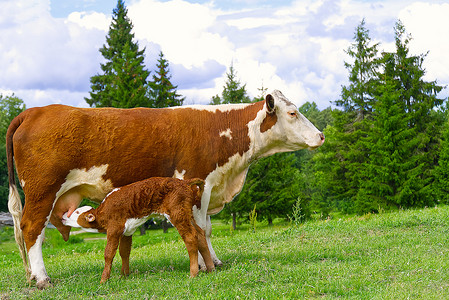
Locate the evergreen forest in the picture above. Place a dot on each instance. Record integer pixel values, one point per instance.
(387, 136)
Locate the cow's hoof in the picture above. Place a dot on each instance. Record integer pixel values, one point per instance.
(202, 267)
(43, 284)
(218, 263)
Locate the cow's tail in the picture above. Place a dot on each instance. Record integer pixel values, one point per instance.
(14, 202)
(197, 186)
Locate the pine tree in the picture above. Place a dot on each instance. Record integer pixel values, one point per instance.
(162, 93)
(263, 93)
(358, 95)
(352, 124)
(233, 91)
(404, 136)
(389, 140)
(420, 100)
(124, 77)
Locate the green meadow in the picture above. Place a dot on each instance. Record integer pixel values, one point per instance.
(396, 255)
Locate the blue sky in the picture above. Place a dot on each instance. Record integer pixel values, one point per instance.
(49, 48)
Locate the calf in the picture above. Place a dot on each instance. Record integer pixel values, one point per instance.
(128, 207)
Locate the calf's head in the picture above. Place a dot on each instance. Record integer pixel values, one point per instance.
(83, 217)
(285, 128)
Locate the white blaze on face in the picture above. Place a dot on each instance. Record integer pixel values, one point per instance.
(73, 220)
(292, 130)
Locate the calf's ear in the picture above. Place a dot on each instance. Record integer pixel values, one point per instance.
(269, 100)
(90, 218)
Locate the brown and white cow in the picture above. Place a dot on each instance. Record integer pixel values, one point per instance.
(63, 154)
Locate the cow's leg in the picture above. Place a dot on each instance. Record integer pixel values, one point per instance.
(37, 266)
(34, 221)
(109, 252)
(203, 220)
(208, 232)
(125, 250)
(203, 248)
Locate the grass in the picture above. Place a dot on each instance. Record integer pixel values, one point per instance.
(398, 255)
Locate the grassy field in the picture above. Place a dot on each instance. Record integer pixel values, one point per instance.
(399, 255)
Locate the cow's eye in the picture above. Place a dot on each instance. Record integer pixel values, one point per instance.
(292, 114)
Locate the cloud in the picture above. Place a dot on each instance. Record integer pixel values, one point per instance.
(198, 77)
(91, 20)
(429, 34)
(181, 29)
(39, 52)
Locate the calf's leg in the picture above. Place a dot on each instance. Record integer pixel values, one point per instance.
(189, 236)
(109, 253)
(125, 250)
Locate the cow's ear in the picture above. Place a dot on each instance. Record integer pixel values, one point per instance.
(90, 218)
(269, 100)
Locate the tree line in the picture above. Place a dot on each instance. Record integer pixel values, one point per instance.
(386, 137)
(387, 144)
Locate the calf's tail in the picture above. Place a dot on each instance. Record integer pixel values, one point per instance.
(14, 202)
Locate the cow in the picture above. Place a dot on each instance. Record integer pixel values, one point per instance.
(126, 208)
(63, 154)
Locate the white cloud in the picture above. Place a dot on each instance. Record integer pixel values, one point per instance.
(429, 26)
(90, 20)
(181, 29)
(39, 53)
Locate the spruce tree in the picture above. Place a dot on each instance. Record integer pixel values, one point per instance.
(389, 141)
(358, 95)
(352, 124)
(404, 137)
(263, 92)
(420, 100)
(162, 93)
(233, 91)
(124, 79)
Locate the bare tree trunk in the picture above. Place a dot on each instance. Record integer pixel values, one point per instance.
(165, 226)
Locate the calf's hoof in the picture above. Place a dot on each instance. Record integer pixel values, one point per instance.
(103, 280)
(210, 269)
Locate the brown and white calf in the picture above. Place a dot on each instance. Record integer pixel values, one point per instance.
(126, 208)
(63, 154)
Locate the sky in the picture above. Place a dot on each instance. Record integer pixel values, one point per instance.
(49, 49)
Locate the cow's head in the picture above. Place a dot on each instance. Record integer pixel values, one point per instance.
(83, 217)
(284, 128)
